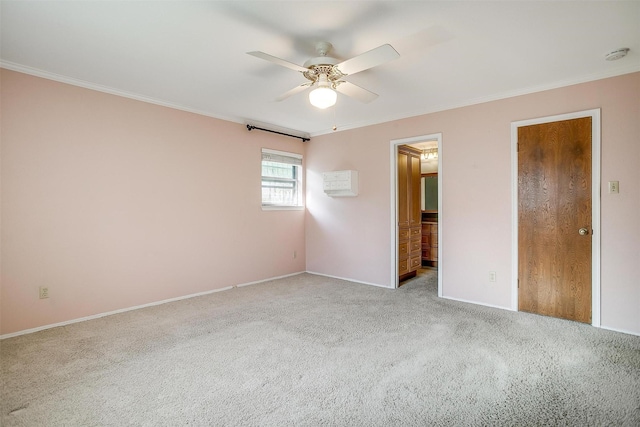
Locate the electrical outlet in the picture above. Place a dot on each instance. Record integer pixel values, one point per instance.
(492, 276)
(44, 292)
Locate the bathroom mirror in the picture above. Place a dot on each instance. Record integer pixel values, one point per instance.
(429, 192)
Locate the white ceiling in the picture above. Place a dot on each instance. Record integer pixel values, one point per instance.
(192, 55)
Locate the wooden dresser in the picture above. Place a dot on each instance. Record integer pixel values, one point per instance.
(409, 212)
(430, 243)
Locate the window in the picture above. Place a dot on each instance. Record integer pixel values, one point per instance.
(281, 180)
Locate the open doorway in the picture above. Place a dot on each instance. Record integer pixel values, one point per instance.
(428, 148)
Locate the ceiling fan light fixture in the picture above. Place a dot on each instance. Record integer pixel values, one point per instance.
(429, 154)
(323, 96)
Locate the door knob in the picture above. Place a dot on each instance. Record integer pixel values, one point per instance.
(583, 231)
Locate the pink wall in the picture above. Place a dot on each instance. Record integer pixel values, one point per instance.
(350, 237)
(114, 203)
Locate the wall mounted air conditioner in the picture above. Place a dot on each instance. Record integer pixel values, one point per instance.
(340, 183)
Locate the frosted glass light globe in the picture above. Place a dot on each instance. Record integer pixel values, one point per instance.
(323, 97)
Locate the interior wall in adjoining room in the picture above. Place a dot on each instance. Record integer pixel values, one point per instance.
(113, 203)
(350, 237)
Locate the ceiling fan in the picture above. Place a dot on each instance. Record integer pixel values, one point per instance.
(327, 74)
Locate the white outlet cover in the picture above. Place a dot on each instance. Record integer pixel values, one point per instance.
(44, 292)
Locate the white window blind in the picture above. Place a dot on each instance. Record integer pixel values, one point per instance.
(281, 180)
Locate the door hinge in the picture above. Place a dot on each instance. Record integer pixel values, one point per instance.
(518, 283)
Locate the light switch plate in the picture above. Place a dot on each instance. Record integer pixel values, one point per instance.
(614, 187)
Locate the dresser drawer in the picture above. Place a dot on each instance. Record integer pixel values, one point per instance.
(403, 249)
(416, 232)
(404, 233)
(415, 262)
(416, 245)
(403, 266)
(426, 239)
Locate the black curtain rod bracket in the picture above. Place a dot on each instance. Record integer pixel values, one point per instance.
(251, 127)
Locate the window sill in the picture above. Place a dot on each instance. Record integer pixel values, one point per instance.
(282, 208)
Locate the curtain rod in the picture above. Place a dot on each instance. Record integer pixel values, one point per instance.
(251, 127)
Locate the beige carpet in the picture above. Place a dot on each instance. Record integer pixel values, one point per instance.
(309, 350)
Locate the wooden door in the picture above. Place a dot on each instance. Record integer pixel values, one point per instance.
(554, 219)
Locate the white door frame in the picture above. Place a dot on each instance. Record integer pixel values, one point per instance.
(595, 204)
(393, 158)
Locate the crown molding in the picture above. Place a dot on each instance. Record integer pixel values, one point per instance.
(481, 100)
(106, 89)
(355, 125)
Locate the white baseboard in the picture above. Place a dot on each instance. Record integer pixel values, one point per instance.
(137, 307)
(624, 331)
(350, 280)
(151, 304)
(267, 280)
(478, 303)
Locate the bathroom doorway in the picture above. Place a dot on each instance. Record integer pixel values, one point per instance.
(429, 149)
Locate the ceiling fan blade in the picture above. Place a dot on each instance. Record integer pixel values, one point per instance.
(370, 59)
(293, 91)
(355, 91)
(278, 61)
